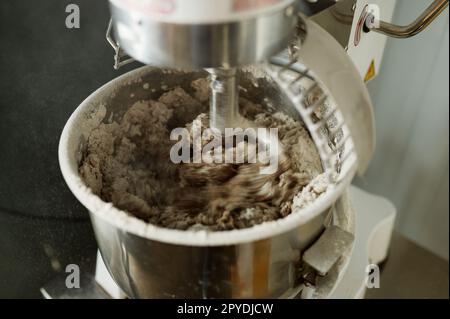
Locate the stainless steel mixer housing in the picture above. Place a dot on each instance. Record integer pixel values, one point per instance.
(203, 33)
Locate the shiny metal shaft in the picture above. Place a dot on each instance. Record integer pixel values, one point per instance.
(224, 107)
(407, 31)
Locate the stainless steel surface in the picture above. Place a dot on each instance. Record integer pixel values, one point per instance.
(432, 12)
(343, 217)
(337, 20)
(312, 7)
(146, 268)
(327, 250)
(262, 269)
(224, 98)
(396, 280)
(203, 45)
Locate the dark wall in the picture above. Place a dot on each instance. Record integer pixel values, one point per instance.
(46, 71)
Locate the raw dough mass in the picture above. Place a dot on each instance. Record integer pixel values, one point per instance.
(127, 163)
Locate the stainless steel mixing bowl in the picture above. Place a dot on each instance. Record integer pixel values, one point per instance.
(150, 262)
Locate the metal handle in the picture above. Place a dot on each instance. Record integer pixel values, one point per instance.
(396, 31)
(119, 54)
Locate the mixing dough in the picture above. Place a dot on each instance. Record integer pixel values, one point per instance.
(128, 163)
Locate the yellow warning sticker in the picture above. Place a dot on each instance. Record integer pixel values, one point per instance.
(370, 72)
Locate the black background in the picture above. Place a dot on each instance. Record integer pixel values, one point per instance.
(46, 71)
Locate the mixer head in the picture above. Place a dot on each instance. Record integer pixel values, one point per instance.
(202, 33)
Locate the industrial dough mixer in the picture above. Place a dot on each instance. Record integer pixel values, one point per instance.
(297, 66)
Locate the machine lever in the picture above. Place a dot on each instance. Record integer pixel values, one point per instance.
(373, 23)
